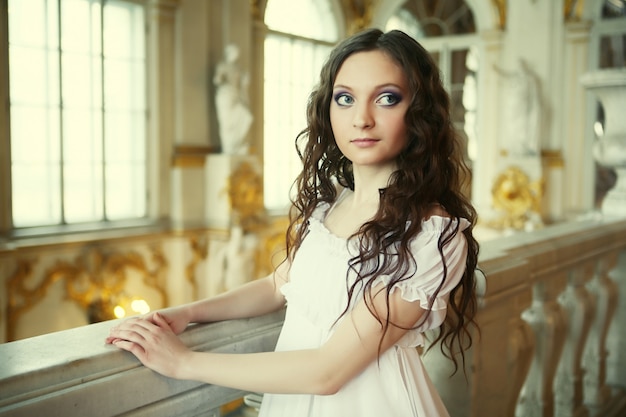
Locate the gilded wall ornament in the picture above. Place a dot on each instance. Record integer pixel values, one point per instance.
(272, 248)
(361, 13)
(500, 7)
(518, 199)
(199, 250)
(95, 280)
(245, 194)
(573, 9)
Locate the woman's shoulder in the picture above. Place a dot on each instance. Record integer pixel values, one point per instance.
(438, 224)
(438, 219)
(438, 210)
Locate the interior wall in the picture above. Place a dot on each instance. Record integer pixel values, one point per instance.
(556, 50)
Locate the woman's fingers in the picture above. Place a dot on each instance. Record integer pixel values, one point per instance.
(154, 344)
(135, 330)
(110, 340)
(152, 341)
(131, 347)
(162, 322)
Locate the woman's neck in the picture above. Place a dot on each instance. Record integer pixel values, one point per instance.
(368, 181)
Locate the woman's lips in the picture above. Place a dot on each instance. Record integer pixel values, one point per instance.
(364, 142)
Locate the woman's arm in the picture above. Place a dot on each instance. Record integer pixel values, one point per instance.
(352, 347)
(252, 299)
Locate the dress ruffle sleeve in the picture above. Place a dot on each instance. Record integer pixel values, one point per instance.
(428, 273)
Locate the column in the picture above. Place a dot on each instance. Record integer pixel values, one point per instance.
(578, 172)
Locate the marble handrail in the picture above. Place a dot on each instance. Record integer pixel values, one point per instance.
(73, 373)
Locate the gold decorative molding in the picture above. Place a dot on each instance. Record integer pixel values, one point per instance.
(360, 13)
(245, 194)
(573, 9)
(164, 11)
(256, 9)
(199, 250)
(552, 158)
(94, 280)
(500, 8)
(190, 156)
(271, 251)
(517, 198)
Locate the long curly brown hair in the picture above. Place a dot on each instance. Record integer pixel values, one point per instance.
(429, 171)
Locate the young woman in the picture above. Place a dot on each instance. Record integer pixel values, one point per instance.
(380, 245)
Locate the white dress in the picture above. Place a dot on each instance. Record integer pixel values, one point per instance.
(397, 386)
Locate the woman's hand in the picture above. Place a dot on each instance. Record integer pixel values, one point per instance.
(177, 318)
(152, 341)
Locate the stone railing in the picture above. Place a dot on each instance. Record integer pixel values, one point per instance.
(551, 343)
(551, 323)
(73, 373)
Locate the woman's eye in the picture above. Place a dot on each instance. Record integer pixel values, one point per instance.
(344, 99)
(388, 99)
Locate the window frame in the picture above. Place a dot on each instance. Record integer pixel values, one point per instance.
(338, 23)
(157, 150)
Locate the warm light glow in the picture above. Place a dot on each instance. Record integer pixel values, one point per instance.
(140, 306)
(119, 312)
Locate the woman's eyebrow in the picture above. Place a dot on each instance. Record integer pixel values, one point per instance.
(376, 87)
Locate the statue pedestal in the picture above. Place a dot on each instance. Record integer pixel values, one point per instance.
(234, 202)
(219, 170)
(610, 150)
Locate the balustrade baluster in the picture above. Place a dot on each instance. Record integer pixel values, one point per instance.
(521, 350)
(616, 338)
(604, 293)
(578, 305)
(545, 317)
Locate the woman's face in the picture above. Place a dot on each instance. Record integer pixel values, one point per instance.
(370, 100)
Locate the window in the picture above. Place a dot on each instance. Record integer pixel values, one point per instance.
(612, 34)
(608, 51)
(300, 37)
(446, 29)
(77, 111)
(608, 48)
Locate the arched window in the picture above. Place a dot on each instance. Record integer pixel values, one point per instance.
(447, 30)
(300, 35)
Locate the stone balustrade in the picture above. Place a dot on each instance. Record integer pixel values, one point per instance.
(551, 320)
(73, 373)
(551, 343)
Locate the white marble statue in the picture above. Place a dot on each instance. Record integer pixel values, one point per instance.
(233, 115)
(522, 111)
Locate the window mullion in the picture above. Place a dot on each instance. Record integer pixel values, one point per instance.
(103, 163)
(61, 112)
(445, 64)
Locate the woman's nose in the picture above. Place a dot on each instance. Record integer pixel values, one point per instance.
(363, 117)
